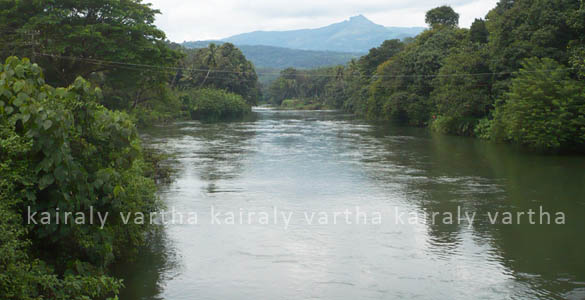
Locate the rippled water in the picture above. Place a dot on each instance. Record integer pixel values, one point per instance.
(301, 162)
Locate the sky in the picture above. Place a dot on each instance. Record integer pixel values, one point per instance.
(192, 20)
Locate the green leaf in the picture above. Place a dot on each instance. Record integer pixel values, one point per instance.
(47, 124)
(46, 181)
(19, 70)
(20, 99)
(60, 173)
(17, 87)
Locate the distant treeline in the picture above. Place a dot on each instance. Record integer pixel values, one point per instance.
(516, 76)
(281, 58)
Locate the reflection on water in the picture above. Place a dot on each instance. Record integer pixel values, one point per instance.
(326, 161)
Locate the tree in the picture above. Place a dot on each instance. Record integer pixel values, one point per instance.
(577, 46)
(523, 29)
(221, 67)
(544, 109)
(460, 100)
(62, 150)
(411, 72)
(478, 32)
(114, 44)
(377, 56)
(75, 36)
(442, 16)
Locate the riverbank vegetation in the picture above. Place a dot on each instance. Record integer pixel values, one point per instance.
(63, 151)
(76, 78)
(116, 46)
(516, 76)
(299, 104)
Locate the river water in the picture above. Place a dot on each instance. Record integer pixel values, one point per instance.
(329, 207)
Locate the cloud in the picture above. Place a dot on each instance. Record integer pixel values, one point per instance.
(214, 19)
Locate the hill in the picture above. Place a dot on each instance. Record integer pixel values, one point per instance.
(358, 34)
(282, 58)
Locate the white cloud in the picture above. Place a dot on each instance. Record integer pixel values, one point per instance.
(214, 19)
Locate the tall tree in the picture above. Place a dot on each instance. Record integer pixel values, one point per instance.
(222, 67)
(478, 32)
(442, 16)
(73, 38)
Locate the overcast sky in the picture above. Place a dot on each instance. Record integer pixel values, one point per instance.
(190, 20)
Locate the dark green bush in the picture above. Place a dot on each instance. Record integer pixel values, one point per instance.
(544, 109)
(214, 105)
(61, 150)
(464, 126)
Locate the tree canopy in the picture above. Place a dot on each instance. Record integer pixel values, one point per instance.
(221, 67)
(442, 16)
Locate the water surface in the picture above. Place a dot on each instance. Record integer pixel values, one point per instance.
(300, 161)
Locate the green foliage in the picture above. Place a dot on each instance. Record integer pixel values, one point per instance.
(544, 109)
(458, 94)
(213, 105)
(442, 16)
(269, 57)
(453, 125)
(525, 28)
(220, 67)
(370, 62)
(453, 79)
(297, 104)
(337, 87)
(403, 86)
(316, 85)
(110, 30)
(483, 129)
(22, 277)
(82, 38)
(478, 32)
(61, 150)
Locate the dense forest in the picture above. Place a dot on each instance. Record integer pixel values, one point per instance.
(76, 79)
(517, 76)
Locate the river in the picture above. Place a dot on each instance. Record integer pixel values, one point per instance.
(368, 210)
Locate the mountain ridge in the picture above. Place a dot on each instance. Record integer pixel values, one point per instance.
(358, 34)
(331, 45)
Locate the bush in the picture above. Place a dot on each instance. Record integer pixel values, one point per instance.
(214, 105)
(483, 129)
(545, 108)
(62, 150)
(454, 125)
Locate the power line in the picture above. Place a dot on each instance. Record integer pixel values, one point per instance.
(165, 68)
(117, 63)
(137, 66)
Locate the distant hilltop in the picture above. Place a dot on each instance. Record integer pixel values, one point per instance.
(357, 35)
(281, 58)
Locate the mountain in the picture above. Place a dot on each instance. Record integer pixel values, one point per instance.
(358, 34)
(282, 58)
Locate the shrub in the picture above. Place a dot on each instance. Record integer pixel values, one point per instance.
(62, 150)
(544, 109)
(454, 125)
(214, 105)
(483, 129)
